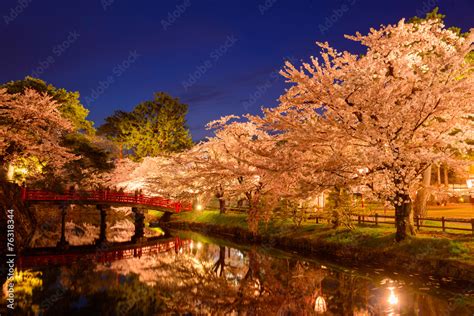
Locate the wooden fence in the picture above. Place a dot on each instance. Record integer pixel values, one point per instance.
(467, 224)
(464, 224)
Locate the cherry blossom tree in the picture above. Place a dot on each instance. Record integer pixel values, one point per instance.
(380, 119)
(262, 163)
(237, 161)
(32, 127)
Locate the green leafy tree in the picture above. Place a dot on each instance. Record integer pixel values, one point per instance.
(116, 128)
(94, 160)
(340, 207)
(70, 106)
(435, 15)
(92, 156)
(153, 127)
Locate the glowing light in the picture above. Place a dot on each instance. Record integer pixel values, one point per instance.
(199, 245)
(392, 298)
(23, 171)
(199, 207)
(320, 305)
(469, 183)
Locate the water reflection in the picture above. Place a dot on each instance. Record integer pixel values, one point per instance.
(205, 278)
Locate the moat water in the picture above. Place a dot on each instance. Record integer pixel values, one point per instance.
(203, 276)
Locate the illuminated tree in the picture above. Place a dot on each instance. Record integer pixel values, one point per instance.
(153, 128)
(32, 126)
(68, 102)
(93, 156)
(384, 117)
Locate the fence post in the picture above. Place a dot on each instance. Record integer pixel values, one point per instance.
(417, 222)
(442, 223)
(376, 219)
(472, 225)
(358, 219)
(317, 219)
(363, 219)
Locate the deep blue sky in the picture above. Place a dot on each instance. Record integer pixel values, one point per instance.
(255, 37)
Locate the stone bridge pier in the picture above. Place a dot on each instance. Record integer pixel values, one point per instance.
(102, 240)
(62, 243)
(139, 221)
(139, 235)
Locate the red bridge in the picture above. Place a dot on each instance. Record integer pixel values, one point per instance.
(106, 197)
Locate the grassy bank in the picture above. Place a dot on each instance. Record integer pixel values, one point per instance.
(364, 240)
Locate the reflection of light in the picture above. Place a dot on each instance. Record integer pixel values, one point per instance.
(320, 305)
(392, 298)
(256, 292)
(24, 283)
(199, 245)
(469, 183)
(199, 207)
(191, 245)
(21, 170)
(361, 312)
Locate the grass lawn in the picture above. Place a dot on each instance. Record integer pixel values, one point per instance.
(459, 210)
(427, 244)
(154, 213)
(462, 210)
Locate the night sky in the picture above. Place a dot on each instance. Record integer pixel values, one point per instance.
(220, 57)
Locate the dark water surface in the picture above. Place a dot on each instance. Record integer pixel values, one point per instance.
(202, 276)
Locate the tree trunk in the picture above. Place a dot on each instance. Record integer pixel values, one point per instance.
(252, 217)
(222, 206)
(219, 266)
(253, 220)
(6, 171)
(335, 212)
(403, 217)
(3, 173)
(445, 170)
(423, 194)
(438, 174)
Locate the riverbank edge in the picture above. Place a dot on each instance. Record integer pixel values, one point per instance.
(439, 267)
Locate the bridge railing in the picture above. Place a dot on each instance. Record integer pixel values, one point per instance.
(105, 196)
(115, 252)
